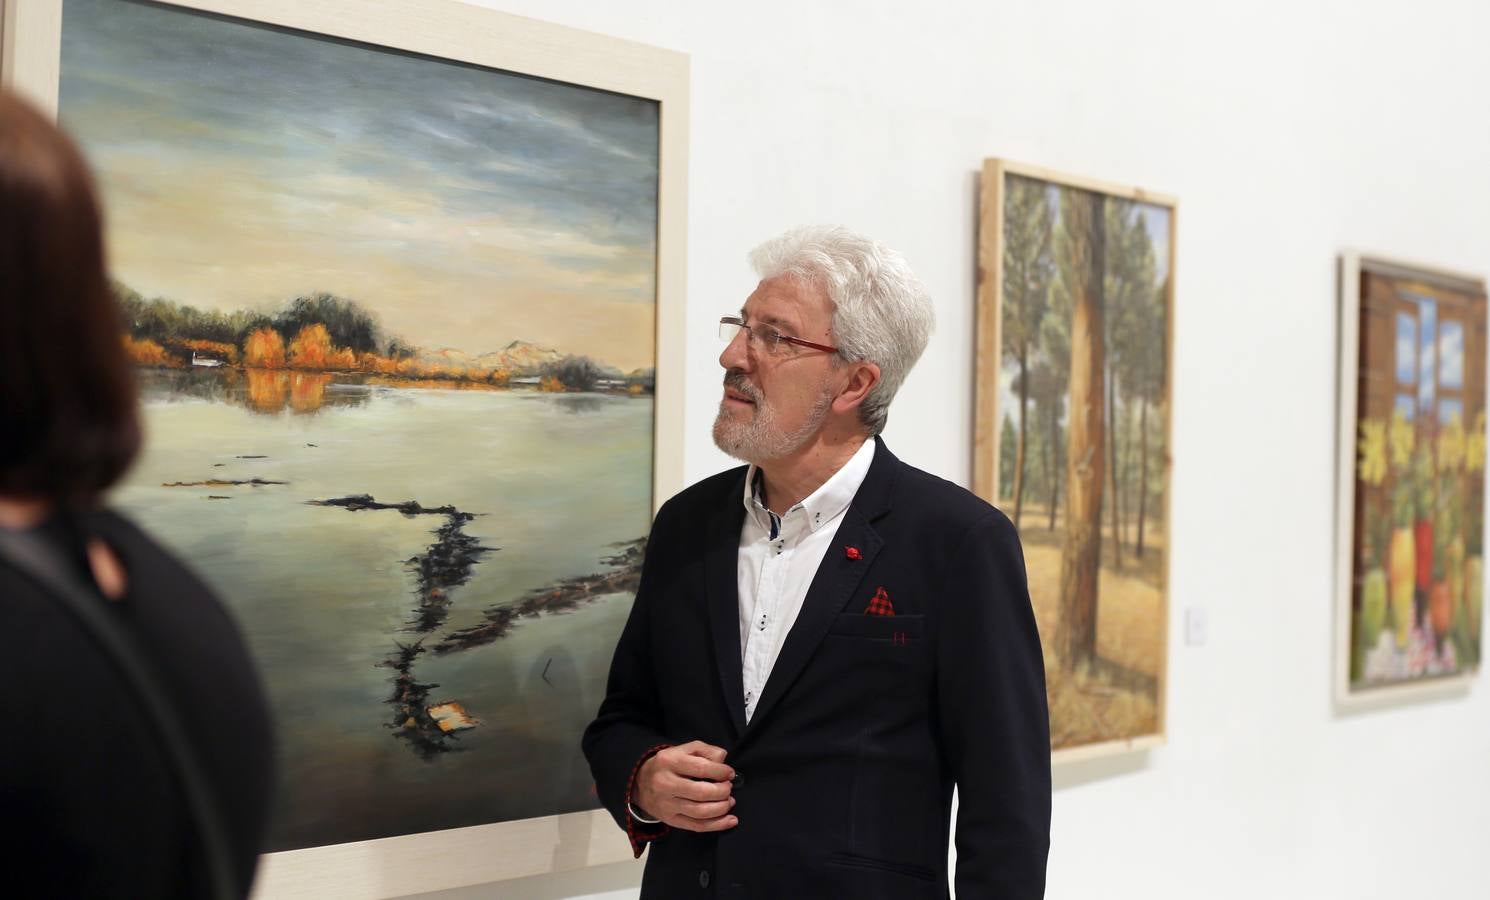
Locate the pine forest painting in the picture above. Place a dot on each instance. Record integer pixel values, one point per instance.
(394, 320)
(1075, 301)
(1414, 527)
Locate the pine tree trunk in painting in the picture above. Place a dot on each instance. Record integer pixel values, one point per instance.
(1143, 471)
(1112, 471)
(1019, 453)
(1055, 482)
(1082, 547)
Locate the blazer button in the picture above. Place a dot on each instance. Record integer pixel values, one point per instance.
(703, 878)
(738, 781)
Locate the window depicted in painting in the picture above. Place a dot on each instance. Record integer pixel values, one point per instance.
(1418, 576)
(394, 323)
(1079, 403)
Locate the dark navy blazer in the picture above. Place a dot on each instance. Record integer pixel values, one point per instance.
(866, 722)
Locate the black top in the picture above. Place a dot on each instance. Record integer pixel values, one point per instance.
(91, 805)
(867, 721)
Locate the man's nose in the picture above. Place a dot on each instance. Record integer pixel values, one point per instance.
(736, 353)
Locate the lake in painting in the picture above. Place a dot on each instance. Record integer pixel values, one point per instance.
(394, 325)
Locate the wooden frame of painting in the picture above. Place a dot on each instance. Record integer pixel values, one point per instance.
(1410, 494)
(1118, 672)
(448, 31)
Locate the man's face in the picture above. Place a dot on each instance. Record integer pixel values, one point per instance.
(774, 403)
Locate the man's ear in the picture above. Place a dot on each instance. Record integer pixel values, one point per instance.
(862, 378)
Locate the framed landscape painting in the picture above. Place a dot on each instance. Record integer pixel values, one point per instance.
(1410, 535)
(403, 286)
(1075, 339)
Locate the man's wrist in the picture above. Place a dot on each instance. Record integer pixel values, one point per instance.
(637, 815)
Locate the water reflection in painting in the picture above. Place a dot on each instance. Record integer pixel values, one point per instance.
(393, 321)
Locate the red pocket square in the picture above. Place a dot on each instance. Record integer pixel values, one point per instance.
(880, 605)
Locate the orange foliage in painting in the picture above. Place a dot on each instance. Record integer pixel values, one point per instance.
(311, 348)
(268, 390)
(264, 349)
(422, 370)
(377, 365)
(145, 352)
(308, 391)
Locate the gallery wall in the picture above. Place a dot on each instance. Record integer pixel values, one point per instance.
(1288, 131)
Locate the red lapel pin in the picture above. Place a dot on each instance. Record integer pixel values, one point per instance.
(852, 553)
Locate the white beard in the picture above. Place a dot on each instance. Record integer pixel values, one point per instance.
(760, 440)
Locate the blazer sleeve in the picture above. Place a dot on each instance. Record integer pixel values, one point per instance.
(992, 716)
(628, 727)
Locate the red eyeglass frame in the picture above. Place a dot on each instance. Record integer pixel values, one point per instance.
(740, 323)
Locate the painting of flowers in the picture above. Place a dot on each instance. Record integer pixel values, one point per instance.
(1416, 522)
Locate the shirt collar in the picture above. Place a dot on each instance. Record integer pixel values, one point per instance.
(824, 504)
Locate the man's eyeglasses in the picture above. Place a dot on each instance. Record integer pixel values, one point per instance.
(765, 337)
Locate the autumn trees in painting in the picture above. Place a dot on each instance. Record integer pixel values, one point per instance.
(1075, 410)
(325, 333)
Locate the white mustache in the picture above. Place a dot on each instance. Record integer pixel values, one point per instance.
(738, 382)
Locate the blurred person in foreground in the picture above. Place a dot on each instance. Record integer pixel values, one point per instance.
(95, 806)
(827, 640)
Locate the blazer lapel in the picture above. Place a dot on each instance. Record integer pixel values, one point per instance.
(722, 585)
(834, 583)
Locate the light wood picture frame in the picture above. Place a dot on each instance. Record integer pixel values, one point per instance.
(446, 30)
(1047, 235)
(1410, 490)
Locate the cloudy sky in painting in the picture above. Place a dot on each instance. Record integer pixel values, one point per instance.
(243, 166)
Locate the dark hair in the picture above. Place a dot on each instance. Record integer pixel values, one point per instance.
(69, 423)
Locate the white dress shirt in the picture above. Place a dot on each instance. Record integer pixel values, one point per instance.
(779, 557)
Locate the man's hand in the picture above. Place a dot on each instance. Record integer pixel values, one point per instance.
(687, 787)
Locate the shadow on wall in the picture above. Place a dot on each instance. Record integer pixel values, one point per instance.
(1075, 774)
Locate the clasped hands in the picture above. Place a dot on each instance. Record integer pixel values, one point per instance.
(687, 787)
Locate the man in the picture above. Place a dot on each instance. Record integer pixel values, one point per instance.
(825, 642)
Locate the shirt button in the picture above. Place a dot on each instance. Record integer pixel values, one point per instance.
(703, 878)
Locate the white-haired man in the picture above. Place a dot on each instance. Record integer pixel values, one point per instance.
(826, 641)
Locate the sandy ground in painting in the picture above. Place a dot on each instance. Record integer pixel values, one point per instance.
(1118, 699)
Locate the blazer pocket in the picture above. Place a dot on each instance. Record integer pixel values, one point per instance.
(884, 628)
(925, 873)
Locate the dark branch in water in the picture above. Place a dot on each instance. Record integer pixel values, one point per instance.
(409, 704)
(444, 566)
(562, 597)
(223, 482)
(411, 508)
(252, 456)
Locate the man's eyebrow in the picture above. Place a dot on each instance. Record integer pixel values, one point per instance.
(774, 321)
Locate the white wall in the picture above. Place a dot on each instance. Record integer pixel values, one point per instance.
(1288, 131)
